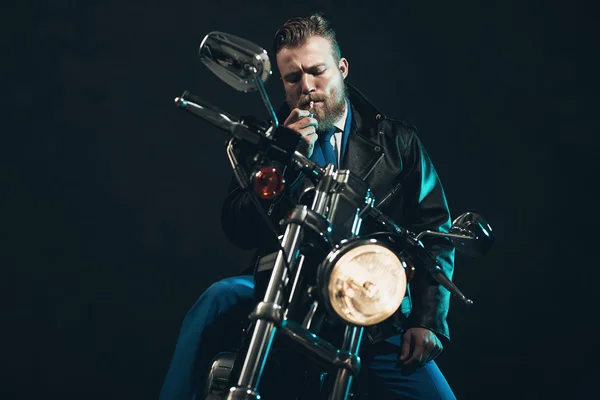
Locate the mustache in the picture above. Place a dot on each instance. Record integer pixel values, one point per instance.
(304, 101)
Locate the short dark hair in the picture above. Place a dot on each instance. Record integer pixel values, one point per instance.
(296, 31)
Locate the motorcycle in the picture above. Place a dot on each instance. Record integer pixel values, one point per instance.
(327, 282)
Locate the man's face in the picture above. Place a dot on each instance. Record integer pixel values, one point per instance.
(310, 73)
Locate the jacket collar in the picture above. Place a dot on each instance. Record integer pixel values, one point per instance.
(366, 114)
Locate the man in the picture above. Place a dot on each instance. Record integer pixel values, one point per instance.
(340, 126)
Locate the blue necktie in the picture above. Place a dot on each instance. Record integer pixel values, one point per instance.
(327, 147)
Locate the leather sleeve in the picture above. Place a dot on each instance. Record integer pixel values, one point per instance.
(423, 206)
(242, 224)
(240, 219)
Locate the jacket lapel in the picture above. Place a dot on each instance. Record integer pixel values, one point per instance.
(361, 154)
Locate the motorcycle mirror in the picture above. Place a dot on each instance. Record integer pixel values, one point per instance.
(471, 234)
(238, 62)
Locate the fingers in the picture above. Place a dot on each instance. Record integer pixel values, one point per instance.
(406, 346)
(295, 115)
(435, 351)
(305, 125)
(421, 348)
(300, 119)
(417, 357)
(310, 140)
(307, 128)
(308, 135)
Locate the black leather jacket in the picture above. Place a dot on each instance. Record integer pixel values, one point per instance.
(389, 156)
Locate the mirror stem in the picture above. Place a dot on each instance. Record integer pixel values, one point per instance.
(263, 94)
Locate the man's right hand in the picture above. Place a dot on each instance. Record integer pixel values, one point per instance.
(305, 125)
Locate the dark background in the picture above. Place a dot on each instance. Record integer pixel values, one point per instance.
(111, 223)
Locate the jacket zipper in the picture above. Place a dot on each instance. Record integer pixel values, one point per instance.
(374, 165)
(388, 196)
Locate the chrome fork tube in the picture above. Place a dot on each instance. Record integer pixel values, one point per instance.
(343, 380)
(265, 328)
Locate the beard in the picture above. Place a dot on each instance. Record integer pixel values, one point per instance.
(327, 109)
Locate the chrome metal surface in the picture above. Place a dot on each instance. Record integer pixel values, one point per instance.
(293, 290)
(351, 345)
(230, 58)
(321, 349)
(470, 234)
(464, 236)
(265, 97)
(307, 165)
(349, 195)
(243, 394)
(322, 191)
(310, 315)
(267, 311)
(210, 114)
(476, 226)
(263, 331)
(309, 219)
(218, 376)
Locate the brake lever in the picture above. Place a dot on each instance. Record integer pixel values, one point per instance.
(429, 263)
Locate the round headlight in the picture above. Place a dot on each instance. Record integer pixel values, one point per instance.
(366, 283)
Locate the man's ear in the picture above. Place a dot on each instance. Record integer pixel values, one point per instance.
(343, 66)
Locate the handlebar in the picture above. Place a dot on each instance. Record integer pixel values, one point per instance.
(227, 122)
(206, 111)
(283, 148)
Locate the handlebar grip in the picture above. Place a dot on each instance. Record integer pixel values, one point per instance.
(206, 111)
(201, 102)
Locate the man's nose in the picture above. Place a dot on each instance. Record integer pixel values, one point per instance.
(307, 84)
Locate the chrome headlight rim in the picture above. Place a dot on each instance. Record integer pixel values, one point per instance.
(326, 268)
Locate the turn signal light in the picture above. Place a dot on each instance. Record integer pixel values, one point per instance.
(268, 183)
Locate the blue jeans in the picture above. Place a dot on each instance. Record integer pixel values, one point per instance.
(207, 329)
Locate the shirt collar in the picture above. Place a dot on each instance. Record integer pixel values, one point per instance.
(341, 122)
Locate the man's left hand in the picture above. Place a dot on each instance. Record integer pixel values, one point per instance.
(419, 345)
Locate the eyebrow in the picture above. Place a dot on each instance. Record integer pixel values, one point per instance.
(312, 67)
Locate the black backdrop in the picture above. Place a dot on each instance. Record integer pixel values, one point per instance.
(112, 219)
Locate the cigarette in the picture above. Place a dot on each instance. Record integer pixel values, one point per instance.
(310, 106)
